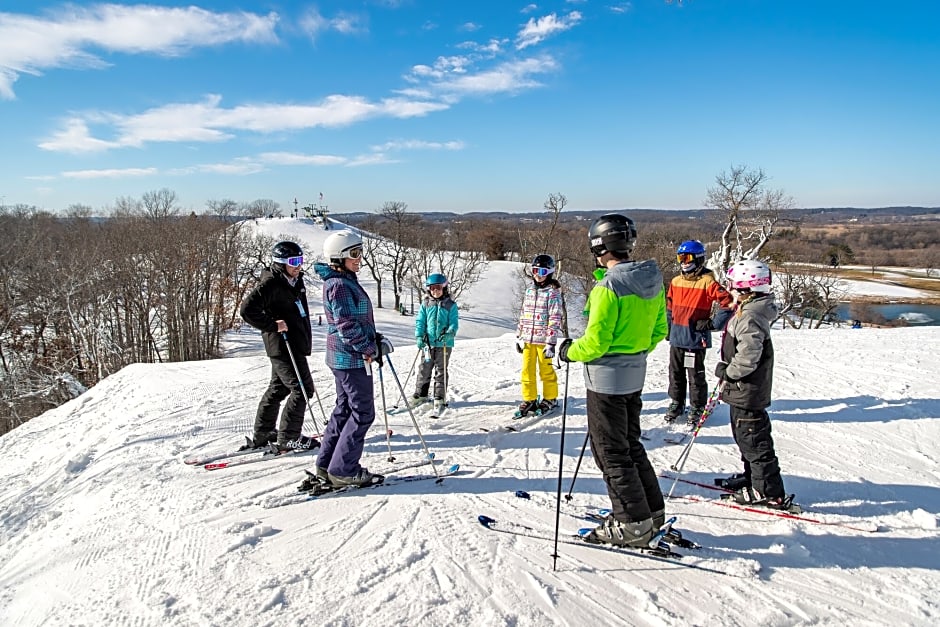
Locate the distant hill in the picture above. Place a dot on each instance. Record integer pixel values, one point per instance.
(809, 215)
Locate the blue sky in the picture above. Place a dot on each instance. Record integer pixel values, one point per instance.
(469, 106)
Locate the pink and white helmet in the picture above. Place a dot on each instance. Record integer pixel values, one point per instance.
(750, 275)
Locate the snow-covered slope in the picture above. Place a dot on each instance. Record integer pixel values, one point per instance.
(103, 523)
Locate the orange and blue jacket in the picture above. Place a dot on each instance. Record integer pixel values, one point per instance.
(688, 300)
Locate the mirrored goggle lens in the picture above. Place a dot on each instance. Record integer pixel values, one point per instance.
(685, 257)
(294, 262)
(354, 253)
(436, 286)
(540, 272)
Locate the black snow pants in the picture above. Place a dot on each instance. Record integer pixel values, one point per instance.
(283, 385)
(681, 377)
(614, 428)
(751, 431)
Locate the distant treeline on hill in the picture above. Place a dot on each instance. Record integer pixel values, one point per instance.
(807, 215)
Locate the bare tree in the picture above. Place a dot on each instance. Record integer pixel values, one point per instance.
(398, 227)
(160, 204)
(749, 211)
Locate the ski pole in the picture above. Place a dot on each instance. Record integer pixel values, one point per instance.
(408, 378)
(444, 348)
(388, 439)
(300, 382)
(587, 436)
(413, 420)
(684, 455)
(561, 463)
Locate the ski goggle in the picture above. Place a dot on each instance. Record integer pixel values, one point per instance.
(541, 272)
(293, 262)
(685, 257)
(436, 286)
(354, 253)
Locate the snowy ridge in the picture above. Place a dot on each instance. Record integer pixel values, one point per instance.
(103, 523)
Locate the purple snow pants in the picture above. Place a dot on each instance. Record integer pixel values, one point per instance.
(345, 434)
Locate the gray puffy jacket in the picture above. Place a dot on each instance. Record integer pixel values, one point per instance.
(749, 353)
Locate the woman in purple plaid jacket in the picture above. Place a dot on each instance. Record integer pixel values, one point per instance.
(350, 349)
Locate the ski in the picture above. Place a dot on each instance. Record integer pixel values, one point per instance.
(521, 422)
(791, 515)
(202, 460)
(266, 455)
(517, 529)
(671, 536)
(389, 481)
(311, 481)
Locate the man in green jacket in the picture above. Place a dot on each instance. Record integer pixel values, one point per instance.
(626, 319)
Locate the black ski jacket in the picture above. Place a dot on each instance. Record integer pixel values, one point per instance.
(275, 299)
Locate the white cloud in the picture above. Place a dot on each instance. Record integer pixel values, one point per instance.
(623, 7)
(470, 27)
(507, 77)
(537, 30)
(529, 8)
(417, 144)
(295, 158)
(68, 36)
(114, 173)
(314, 24)
(207, 121)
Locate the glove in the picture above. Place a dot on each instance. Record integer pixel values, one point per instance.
(383, 347)
(420, 343)
(549, 351)
(704, 324)
(561, 352)
(720, 370)
(520, 345)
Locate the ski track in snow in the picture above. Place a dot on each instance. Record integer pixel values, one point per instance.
(102, 523)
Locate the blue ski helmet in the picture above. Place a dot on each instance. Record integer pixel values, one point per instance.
(436, 279)
(690, 255)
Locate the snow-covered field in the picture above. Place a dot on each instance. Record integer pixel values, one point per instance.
(103, 523)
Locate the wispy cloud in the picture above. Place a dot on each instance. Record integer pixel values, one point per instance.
(113, 173)
(622, 7)
(417, 144)
(313, 23)
(208, 121)
(537, 30)
(70, 36)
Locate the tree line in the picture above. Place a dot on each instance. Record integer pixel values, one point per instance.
(83, 297)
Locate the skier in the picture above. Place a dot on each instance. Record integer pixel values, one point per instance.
(626, 320)
(689, 301)
(746, 370)
(278, 305)
(537, 333)
(435, 329)
(352, 344)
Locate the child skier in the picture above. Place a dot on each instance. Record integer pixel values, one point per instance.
(536, 334)
(746, 371)
(689, 301)
(435, 329)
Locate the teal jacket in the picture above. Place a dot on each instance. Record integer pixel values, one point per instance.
(626, 314)
(436, 322)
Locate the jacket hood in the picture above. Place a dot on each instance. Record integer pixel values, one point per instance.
(642, 278)
(762, 305)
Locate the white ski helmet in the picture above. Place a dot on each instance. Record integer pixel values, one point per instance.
(342, 245)
(749, 275)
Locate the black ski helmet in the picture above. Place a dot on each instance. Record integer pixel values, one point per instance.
(282, 251)
(544, 261)
(612, 233)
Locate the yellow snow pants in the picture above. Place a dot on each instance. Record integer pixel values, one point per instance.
(533, 355)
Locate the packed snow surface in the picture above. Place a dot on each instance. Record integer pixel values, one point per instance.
(103, 523)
